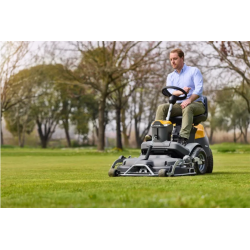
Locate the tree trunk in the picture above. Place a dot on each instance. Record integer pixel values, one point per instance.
(93, 135)
(67, 137)
(137, 135)
(211, 136)
(1, 136)
(101, 130)
(138, 119)
(43, 137)
(245, 137)
(118, 128)
(244, 133)
(124, 128)
(44, 142)
(22, 142)
(65, 121)
(22, 135)
(66, 130)
(234, 136)
(1, 132)
(19, 133)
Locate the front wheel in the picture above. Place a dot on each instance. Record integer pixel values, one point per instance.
(200, 168)
(113, 172)
(162, 173)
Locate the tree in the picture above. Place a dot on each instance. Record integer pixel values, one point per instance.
(43, 102)
(234, 110)
(84, 111)
(145, 101)
(12, 55)
(18, 117)
(216, 120)
(48, 106)
(119, 100)
(19, 122)
(105, 63)
(150, 80)
(69, 96)
(231, 60)
(148, 74)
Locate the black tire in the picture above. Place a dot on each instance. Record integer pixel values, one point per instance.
(162, 173)
(113, 172)
(210, 162)
(200, 153)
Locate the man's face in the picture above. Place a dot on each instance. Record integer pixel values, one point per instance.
(176, 61)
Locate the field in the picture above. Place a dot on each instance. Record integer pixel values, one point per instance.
(79, 178)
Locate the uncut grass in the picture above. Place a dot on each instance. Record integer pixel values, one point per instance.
(55, 178)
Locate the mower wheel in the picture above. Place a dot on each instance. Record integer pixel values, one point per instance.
(201, 154)
(210, 162)
(162, 173)
(113, 172)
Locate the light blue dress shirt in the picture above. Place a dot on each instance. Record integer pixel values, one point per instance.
(189, 77)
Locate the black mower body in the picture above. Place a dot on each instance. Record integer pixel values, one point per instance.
(164, 156)
(168, 157)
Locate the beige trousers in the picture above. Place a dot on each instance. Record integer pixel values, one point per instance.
(193, 109)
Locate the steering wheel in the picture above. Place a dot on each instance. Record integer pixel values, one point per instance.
(167, 93)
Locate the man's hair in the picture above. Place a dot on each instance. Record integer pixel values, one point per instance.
(179, 52)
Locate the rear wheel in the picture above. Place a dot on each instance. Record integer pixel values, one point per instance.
(201, 154)
(210, 162)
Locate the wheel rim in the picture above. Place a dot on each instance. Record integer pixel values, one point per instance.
(202, 158)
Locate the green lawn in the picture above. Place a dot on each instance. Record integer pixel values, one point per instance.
(79, 178)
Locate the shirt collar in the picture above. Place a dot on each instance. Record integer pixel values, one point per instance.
(183, 69)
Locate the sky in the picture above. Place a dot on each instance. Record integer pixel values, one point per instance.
(124, 20)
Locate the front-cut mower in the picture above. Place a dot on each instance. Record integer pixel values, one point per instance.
(163, 156)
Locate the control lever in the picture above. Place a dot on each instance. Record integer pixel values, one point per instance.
(150, 147)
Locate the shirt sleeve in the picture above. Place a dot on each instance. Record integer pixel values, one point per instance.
(198, 82)
(169, 83)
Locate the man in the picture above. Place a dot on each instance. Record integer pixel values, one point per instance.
(189, 79)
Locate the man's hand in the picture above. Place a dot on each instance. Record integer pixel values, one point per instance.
(185, 103)
(187, 89)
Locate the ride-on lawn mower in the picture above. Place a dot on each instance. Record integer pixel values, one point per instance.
(163, 156)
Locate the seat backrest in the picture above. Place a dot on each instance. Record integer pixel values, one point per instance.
(203, 117)
(197, 119)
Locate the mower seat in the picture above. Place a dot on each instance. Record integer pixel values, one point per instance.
(197, 119)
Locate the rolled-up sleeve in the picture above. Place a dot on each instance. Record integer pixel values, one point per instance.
(198, 82)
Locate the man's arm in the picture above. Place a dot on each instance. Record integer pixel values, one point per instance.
(198, 83)
(191, 99)
(178, 92)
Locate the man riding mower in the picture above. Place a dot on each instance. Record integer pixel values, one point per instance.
(165, 155)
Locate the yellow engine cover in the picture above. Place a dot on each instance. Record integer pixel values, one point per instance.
(162, 122)
(200, 133)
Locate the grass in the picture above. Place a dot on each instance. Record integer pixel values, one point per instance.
(231, 148)
(79, 178)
